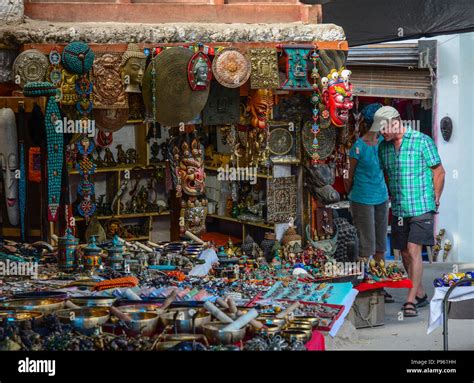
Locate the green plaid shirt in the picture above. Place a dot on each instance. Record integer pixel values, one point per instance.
(410, 178)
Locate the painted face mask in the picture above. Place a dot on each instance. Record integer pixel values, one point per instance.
(9, 163)
(337, 96)
(133, 68)
(260, 106)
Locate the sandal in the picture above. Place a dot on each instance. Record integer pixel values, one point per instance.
(422, 302)
(388, 298)
(409, 310)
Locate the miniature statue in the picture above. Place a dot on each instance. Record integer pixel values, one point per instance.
(133, 68)
(121, 156)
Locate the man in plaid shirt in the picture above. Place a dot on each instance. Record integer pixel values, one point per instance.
(415, 174)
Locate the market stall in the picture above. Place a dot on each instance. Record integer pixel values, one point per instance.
(186, 197)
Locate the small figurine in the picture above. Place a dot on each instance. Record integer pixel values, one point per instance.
(132, 156)
(109, 158)
(121, 156)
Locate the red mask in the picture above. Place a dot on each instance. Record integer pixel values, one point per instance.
(338, 99)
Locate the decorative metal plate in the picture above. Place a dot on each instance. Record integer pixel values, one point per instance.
(281, 199)
(264, 62)
(30, 66)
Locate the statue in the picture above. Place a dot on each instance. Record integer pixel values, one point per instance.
(133, 68)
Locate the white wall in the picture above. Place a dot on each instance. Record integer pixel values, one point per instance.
(455, 98)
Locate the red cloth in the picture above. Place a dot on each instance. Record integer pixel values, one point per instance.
(220, 239)
(403, 284)
(316, 342)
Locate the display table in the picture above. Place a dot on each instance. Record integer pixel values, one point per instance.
(403, 284)
(459, 294)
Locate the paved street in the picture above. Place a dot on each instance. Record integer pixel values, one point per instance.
(410, 333)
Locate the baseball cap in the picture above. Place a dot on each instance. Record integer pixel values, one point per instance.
(382, 115)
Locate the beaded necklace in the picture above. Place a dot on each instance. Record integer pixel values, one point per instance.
(55, 145)
(22, 180)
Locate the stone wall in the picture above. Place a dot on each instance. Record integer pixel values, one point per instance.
(11, 11)
(40, 32)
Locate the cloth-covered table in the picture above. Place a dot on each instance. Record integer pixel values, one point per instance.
(403, 284)
(460, 293)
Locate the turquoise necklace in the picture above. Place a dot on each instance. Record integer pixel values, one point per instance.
(55, 145)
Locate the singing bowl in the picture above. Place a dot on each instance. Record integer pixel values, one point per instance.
(93, 301)
(296, 334)
(301, 323)
(163, 346)
(313, 320)
(268, 329)
(271, 321)
(46, 306)
(41, 295)
(20, 316)
(215, 335)
(183, 320)
(144, 307)
(186, 338)
(144, 323)
(84, 318)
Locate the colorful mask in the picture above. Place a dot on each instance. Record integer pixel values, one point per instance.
(199, 71)
(133, 68)
(188, 161)
(337, 96)
(9, 163)
(193, 216)
(260, 107)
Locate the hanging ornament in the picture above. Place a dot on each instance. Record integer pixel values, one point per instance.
(315, 97)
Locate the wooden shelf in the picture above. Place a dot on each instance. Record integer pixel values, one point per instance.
(259, 175)
(230, 219)
(113, 169)
(125, 216)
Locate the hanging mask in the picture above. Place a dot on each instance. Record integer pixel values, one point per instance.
(446, 128)
(9, 163)
(199, 71)
(260, 107)
(337, 96)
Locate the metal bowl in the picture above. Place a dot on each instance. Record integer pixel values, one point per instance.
(313, 320)
(84, 318)
(303, 323)
(46, 306)
(295, 334)
(144, 323)
(299, 325)
(163, 346)
(215, 335)
(269, 329)
(184, 321)
(20, 316)
(144, 307)
(186, 338)
(271, 321)
(94, 301)
(41, 295)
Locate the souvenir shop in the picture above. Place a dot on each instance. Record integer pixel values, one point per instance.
(178, 196)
